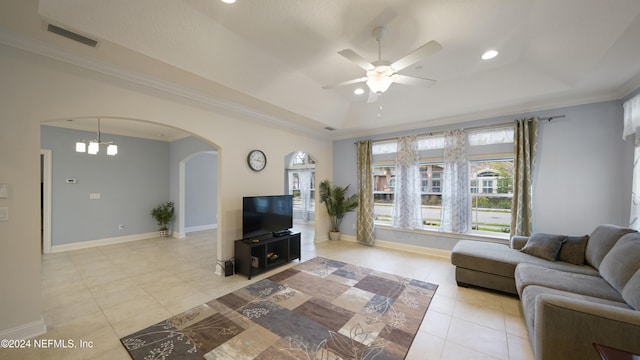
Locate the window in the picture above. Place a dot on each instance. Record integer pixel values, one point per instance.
(490, 180)
(431, 194)
(383, 187)
(491, 203)
(300, 178)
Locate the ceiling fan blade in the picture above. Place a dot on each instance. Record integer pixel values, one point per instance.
(373, 97)
(356, 59)
(416, 55)
(348, 82)
(412, 80)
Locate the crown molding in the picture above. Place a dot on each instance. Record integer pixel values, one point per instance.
(40, 48)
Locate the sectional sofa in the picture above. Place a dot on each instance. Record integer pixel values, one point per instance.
(575, 291)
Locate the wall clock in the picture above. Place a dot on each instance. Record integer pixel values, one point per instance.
(257, 160)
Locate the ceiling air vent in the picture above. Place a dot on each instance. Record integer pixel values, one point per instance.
(71, 35)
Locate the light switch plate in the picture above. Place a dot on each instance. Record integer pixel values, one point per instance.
(4, 190)
(4, 214)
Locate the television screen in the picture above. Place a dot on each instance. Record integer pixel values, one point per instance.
(266, 214)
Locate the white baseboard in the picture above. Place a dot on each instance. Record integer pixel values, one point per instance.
(200, 228)
(404, 247)
(101, 242)
(25, 331)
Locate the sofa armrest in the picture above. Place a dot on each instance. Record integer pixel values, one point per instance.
(567, 328)
(517, 242)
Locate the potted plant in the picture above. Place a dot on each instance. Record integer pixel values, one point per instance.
(163, 214)
(338, 204)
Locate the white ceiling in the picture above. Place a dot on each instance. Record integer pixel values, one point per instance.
(272, 58)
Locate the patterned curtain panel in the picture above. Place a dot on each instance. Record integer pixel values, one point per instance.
(364, 231)
(632, 126)
(406, 207)
(455, 188)
(525, 139)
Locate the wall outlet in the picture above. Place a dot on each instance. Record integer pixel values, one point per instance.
(120, 226)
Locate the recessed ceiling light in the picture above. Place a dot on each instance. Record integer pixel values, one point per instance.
(489, 55)
(228, 1)
(358, 91)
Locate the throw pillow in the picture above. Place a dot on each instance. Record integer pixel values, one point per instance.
(572, 251)
(545, 246)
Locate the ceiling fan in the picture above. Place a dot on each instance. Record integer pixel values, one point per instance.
(382, 73)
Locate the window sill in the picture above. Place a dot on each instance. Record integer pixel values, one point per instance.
(482, 236)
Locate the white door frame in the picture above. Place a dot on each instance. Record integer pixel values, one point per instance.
(46, 200)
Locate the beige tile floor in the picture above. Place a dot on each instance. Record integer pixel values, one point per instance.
(100, 294)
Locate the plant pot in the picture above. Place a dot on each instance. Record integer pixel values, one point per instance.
(334, 235)
(165, 232)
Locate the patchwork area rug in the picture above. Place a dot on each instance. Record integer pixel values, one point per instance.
(319, 309)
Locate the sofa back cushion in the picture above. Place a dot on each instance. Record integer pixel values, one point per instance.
(622, 261)
(601, 241)
(631, 291)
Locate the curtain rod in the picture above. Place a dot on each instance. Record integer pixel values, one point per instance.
(547, 118)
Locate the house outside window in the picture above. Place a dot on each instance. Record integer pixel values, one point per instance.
(491, 202)
(383, 193)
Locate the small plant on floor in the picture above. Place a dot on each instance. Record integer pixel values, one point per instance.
(163, 214)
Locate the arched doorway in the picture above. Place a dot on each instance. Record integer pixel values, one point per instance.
(300, 168)
(130, 133)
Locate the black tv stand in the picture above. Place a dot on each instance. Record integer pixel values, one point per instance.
(259, 254)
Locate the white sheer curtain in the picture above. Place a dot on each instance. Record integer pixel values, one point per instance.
(632, 126)
(455, 187)
(406, 209)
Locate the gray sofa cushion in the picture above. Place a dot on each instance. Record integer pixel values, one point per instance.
(601, 241)
(544, 246)
(622, 261)
(631, 291)
(594, 286)
(501, 260)
(528, 299)
(572, 251)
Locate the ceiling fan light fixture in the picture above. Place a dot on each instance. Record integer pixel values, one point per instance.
(380, 78)
(358, 91)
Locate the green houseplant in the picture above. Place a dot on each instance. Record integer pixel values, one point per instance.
(163, 214)
(338, 204)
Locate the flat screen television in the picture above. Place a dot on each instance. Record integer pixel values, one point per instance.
(263, 215)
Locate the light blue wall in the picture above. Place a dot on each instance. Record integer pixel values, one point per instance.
(130, 185)
(142, 175)
(201, 200)
(202, 182)
(583, 176)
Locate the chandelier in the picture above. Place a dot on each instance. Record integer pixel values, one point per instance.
(92, 147)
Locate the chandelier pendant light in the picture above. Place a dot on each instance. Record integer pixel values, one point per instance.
(92, 147)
